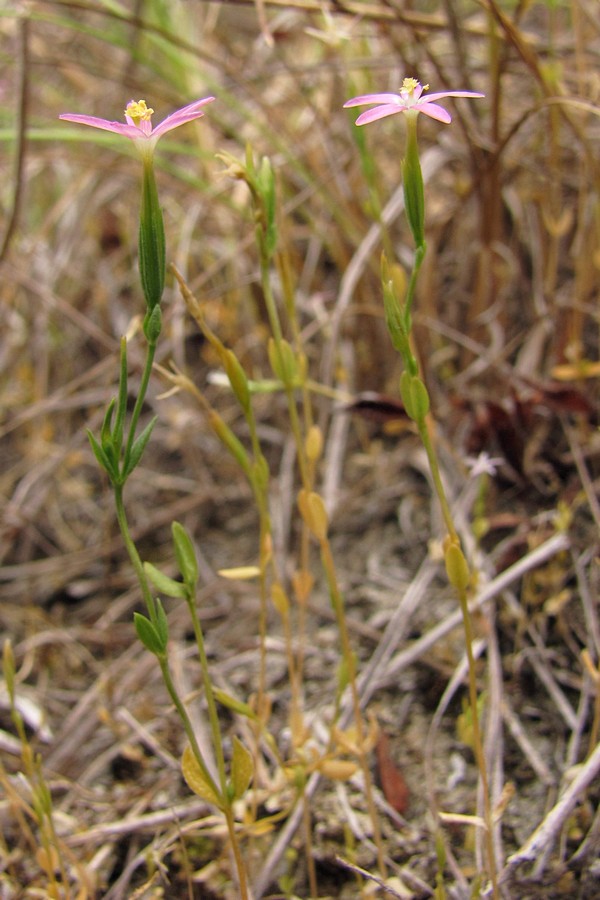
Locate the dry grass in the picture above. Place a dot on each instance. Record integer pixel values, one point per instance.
(507, 328)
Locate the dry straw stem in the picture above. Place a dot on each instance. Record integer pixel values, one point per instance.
(541, 842)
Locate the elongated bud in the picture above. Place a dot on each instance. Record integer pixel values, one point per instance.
(283, 362)
(151, 240)
(153, 324)
(312, 509)
(237, 379)
(313, 445)
(457, 567)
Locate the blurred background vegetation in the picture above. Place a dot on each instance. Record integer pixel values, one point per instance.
(506, 315)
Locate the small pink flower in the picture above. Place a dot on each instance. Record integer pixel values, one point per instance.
(138, 122)
(409, 100)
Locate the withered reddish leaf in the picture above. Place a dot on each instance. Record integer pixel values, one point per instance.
(392, 783)
(377, 407)
(560, 397)
(566, 399)
(495, 426)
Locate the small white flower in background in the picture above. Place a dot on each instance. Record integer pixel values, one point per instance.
(484, 464)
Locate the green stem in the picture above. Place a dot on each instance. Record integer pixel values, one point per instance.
(138, 567)
(412, 284)
(437, 479)
(141, 396)
(132, 552)
(210, 699)
(237, 854)
(187, 724)
(274, 322)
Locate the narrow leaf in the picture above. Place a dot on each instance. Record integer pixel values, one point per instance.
(185, 554)
(139, 445)
(105, 431)
(103, 461)
(148, 634)
(238, 706)
(166, 585)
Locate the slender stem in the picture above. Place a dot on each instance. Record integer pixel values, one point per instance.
(265, 279)
(436, 476)
(132, 552)
(210, 699)
(468, 631)
(187, 725)
(139, 402)
(337, 601)
(162, 659)
(412, 366)
(237, 854)
(412, 284)
(478, 743)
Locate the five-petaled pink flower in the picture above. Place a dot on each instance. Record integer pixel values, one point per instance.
(138, 122)
(409, 100)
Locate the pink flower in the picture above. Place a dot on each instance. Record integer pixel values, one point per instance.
(138, 119)
(409, 100)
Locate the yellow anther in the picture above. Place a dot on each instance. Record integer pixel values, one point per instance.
(410, 84)
(139, 112)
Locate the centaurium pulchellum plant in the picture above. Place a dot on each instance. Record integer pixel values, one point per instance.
(411, 101)
(119, 450)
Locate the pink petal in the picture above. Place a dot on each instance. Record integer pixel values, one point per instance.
(181, 116)
(441, 94)
(129, 131)
(380, 112)
(433, 111)
(373, 98)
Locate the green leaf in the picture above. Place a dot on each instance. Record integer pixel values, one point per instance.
(139, 445)
(148, 634)
(166, 585)
(185, 554)
(242, 769)
(103, 461)
(196, 779)
(106, 430)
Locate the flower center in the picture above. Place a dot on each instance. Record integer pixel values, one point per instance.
(409, 85)
(138, 112)
(411, 90)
